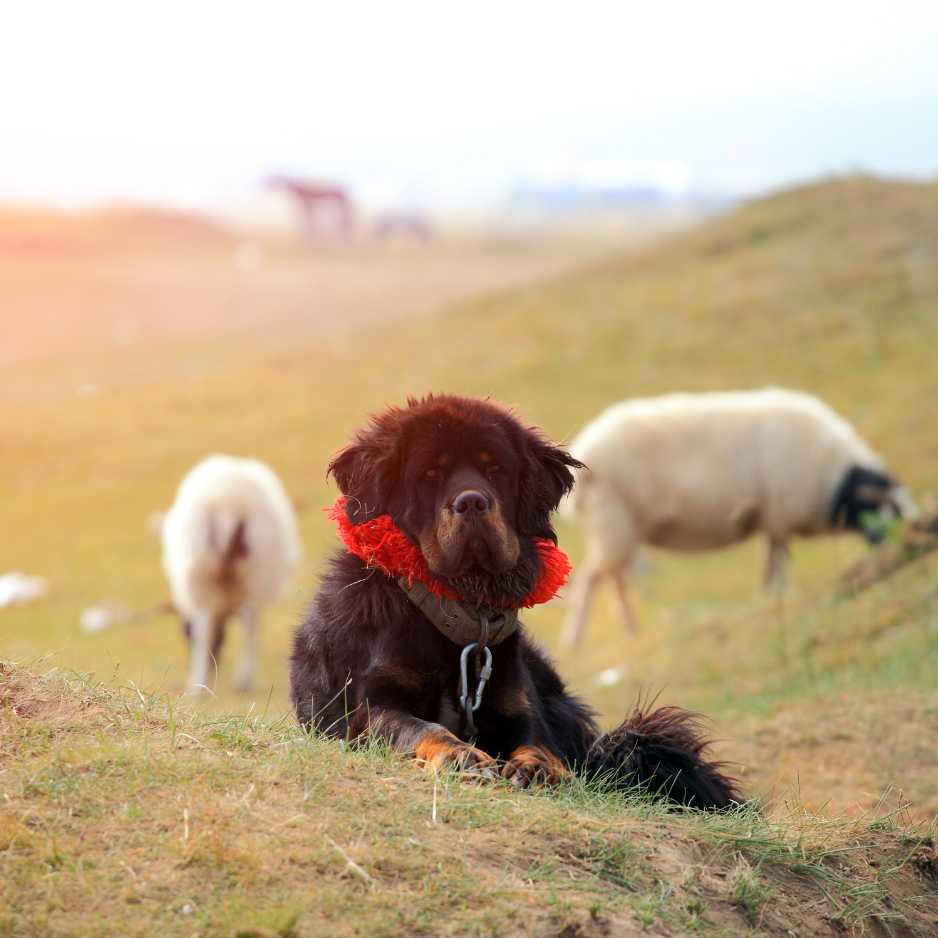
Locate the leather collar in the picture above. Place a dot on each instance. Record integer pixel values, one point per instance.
(460, 623)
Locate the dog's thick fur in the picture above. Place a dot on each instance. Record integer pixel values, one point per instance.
(367, 662)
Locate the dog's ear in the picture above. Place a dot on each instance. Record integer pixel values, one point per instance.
(545, 478)
(364, 472)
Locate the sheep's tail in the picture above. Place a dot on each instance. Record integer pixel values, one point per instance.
(227, 540)
(236, 548)
(663, 752)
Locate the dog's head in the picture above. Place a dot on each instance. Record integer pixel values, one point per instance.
(867, 500)
(466, 482)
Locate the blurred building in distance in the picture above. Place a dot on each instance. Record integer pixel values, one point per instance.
(604, 187)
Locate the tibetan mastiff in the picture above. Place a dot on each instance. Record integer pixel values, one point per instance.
(413, 636)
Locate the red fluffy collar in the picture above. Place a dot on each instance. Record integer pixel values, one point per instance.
(381, 544)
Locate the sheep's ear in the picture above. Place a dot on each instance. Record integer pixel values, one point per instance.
(546, 477)
(362, 472)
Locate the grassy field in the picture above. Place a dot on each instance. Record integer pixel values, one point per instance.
(125, 815)
(128, 361)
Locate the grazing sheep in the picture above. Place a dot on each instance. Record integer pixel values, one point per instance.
(229, 543)
(700, 471)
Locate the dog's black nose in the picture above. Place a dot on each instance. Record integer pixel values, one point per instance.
(471, 501)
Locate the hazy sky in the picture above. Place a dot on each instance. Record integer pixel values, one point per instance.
(194, 102)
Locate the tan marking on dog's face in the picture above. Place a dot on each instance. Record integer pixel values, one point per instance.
(431, 550)
(436, 472)
(443, 543)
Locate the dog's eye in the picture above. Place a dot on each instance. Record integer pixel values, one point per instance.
(492, 469)
(430, 475)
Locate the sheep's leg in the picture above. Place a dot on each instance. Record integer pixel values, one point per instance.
(200, 653)
(625, 608)
(775, 567)
(248, 666)
(582, 594)
(611, 545)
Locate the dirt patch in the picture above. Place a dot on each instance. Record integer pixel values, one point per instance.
(25, 697)
(819, 754)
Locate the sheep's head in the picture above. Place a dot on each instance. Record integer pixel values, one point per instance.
(868, 501)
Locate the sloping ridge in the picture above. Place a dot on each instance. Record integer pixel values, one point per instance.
(151, 818)
(843, 206)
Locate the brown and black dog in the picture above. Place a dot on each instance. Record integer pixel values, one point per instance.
(473, 489)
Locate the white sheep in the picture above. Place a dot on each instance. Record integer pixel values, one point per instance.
(229, 543)
(701, 471)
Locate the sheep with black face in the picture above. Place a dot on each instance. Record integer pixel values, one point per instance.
(701, 471)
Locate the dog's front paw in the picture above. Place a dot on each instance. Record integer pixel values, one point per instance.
(442, 750)
(532, 765)
(475, 763)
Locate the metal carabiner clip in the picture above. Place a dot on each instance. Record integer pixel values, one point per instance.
(467, 702)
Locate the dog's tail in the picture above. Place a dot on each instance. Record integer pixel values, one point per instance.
(663, 752)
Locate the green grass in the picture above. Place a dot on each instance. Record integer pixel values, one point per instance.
(828, 703)
(153, 817)
(750, 892)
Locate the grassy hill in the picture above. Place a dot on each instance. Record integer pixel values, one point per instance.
(126, 815)
(828, 703)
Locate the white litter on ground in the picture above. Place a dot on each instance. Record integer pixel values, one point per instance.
(20, 588)
(610, 677)
(98, 618)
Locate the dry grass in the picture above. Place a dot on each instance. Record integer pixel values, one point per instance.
(147, 817)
